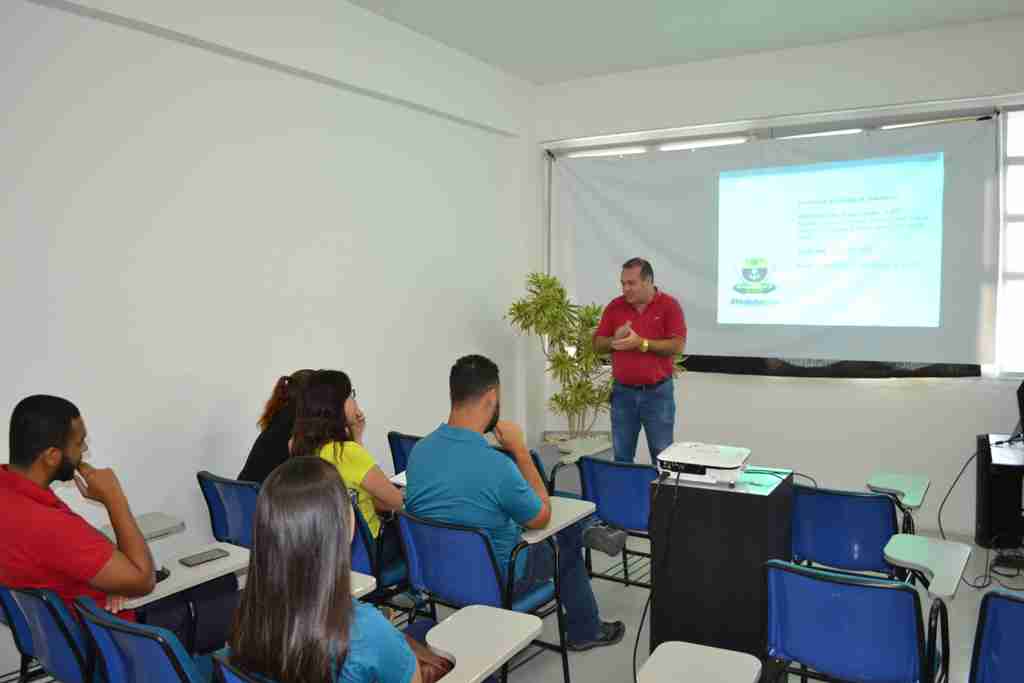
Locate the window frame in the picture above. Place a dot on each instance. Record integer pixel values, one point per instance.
(1008, 221)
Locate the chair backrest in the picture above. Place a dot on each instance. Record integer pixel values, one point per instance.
(363, 544)
(454, 564)
(232, 506)
(620, 491)
(225, 673)
(842, 529)
(56, 638)
(851, 627)
(998, 656)
(132, 652)
(401, 446)
(10, 614)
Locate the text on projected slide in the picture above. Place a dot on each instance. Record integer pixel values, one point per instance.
(855, 243)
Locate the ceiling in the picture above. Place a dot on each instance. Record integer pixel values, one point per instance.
(549, 41)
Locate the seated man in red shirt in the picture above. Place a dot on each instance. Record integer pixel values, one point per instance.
(43, 544)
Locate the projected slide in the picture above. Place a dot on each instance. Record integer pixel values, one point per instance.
(845, 243)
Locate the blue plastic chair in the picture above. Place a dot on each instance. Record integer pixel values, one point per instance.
(401, 447)
(621, 493)
(57, 641)
(11, 616)
(232, 506)
(844, 530)
(844, 626)
(367, 555)
(136, 653)
(455, 566)
(998, 656)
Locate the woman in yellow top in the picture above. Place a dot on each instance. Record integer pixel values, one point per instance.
(329, 424)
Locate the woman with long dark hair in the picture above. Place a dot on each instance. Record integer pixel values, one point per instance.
(297, 622)
(329, 424)
(271, 446)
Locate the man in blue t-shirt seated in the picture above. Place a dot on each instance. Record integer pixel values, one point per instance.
(454, 476)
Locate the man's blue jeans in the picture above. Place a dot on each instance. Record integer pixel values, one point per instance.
(582, 622)
(653, 409)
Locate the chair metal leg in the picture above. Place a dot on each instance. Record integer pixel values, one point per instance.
(938, 636)
(803, 675)
(27, 673)
(560, 612)
(625, 565)
(944, 640)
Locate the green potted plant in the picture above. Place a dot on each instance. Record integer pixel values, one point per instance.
(566, 334)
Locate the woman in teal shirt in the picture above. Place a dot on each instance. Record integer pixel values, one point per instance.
(297, 621)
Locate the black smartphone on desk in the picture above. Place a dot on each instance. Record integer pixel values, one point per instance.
(203, 557)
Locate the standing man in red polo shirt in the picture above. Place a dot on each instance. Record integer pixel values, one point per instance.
(43, 544)
(644, 329)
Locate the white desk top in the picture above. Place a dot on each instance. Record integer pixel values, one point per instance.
(479, 639)
(673, 661)
(182, 577)
(943, 562)
(909, 488)
(570, 450)
(399, 479)
(564, 512)
(361, 584)
(153, 525)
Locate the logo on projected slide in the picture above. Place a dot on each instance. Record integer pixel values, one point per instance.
(755, 272)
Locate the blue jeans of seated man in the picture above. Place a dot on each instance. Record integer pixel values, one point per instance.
(653, 409)
(582, 622)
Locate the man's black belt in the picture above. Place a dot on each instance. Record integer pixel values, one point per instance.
(643, 387)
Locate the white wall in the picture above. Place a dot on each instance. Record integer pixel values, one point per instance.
(342, 41)
(962, 61)
(839, 431)
(180, 226)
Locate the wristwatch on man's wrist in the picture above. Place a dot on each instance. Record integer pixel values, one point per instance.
(644, 345)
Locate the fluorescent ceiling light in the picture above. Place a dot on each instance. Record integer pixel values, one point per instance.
(894, 126)
(912, 124)
(706, 142)
(606, 152)
(823, 134)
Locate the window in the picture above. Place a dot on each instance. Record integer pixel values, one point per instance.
(1010, 348)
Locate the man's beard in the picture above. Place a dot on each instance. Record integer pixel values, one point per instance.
(494, 420)
(66, 469)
